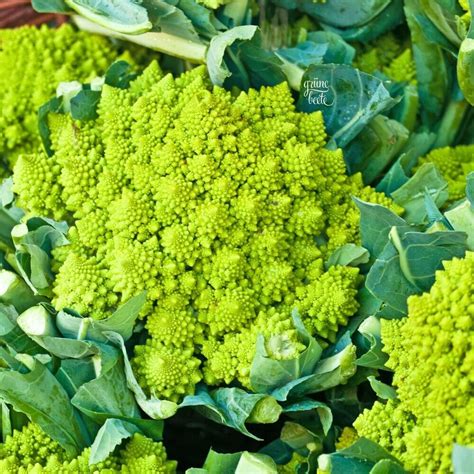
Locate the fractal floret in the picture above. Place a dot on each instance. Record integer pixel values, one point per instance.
(32, 451)
(28, 447)
(222, 208)
(389, 55)
(454, 164)
(431, 353)
(33, 62)
(347, 437)
(232, 357)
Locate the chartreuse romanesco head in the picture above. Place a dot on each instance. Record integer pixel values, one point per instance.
(28, 447)
(31, 451)
(387, 424)
(454, 164)
(211, 203)
(389, 55)
(142, 455)
(347, 438)
(432, 354)
(33, 62)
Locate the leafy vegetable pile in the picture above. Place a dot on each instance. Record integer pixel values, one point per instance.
(259, 264)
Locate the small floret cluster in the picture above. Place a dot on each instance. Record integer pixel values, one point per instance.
(454, 164)
(222, 208)
(33, 62)
(432, 354)
(389, 55)
(32, 451)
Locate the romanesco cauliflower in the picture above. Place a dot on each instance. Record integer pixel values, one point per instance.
(432, 354)
(28, 447)
(33, 62)
(454, 164)
(212, 204)
(347, 437)
(389, 55)
(32, 451)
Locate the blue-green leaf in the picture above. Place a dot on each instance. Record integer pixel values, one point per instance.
(66, 348)
(220, 463)
(166, 17)
(328, 373)
(256, 463)
(408, 264)
(108, 392)
(12, 336)
(155, 408)
(382, 390)
(110, 435)
(375, 148)
(126, 16)
(6, 192)
(429, 57)
(232, 407)
(308, 404)
(123, 319)
(406, 111)
(50, 6)
(201, 17)
(40, 396)
(278, 450)
(470, 188)
(385, 21)
(344, 13)
(387, 466)
(108, 396)
(387, 283)
(421, 254)
(337, 50)
(461, 218)
(121, 322)
(218, 70)
(83, 105)
(463, 459)
(6, 426)
(55, 105)
(359, 458)
(34, 242)
(350, 255)
(375, 224)
(72, 374)
(349, 99)
(373, 355)
(417, 145)
(411, 195)
(267, 374)
(119, 75)
(304, 54)
(262, 67)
